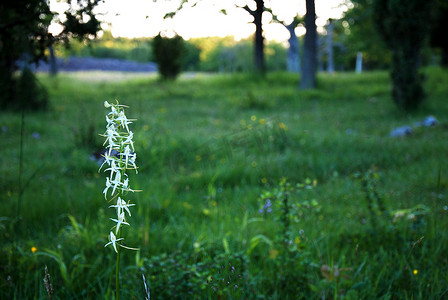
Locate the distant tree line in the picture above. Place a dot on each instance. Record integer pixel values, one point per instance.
(211, 54)
(217, 54)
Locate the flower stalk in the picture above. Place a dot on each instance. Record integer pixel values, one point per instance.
(119, 157)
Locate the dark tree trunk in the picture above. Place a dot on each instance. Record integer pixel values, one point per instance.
(438, 37)
(53, 66)
(259, 39)
(7, 82)
(444, 61)
(403, 24)
(407, 90)
(308, 80)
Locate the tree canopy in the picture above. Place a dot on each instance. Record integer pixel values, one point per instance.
(24, 35)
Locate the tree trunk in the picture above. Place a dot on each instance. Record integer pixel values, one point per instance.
(444, 61)
(53, 66)
(407, 87)
(359, 62)
(7, 82)
(259, 39)
(403, 24)
(330, 60)
(293, 62)
(308, 80)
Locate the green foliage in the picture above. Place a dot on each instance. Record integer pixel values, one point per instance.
(84, 136)
(359, 23)
(290, 240)
(31, 94)
(23, 92)
(196, 275)
(24, 30)
(404, 26)
(24, 36)
(374, 202)
(168, 54)
(191, 59)
(438, 39)
(200, 54)
(137, 49)
(202, 169)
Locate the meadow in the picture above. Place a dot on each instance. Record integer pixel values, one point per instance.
(353, 213)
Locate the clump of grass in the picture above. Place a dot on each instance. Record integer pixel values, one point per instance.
(199, 275)
(289, 240)
(253, 100)
(374, 202)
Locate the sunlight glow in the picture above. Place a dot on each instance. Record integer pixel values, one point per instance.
(144, 18)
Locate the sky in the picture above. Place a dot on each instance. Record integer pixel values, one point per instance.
(144, 18)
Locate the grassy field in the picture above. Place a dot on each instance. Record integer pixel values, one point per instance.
(211, 149)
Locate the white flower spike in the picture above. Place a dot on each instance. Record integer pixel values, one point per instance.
(119, 156)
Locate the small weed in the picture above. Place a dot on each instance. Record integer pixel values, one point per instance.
(374, 202)
(47, 283)
(289, 248)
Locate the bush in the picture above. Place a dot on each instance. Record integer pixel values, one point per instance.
(30, 94)
(168, 53)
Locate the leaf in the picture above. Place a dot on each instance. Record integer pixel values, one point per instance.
(256, 240)
(58, 258)
(225, 245)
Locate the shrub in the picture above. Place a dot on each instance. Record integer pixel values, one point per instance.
(168, 54)
(30, 94)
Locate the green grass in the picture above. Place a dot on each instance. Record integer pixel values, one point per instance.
(207, 146)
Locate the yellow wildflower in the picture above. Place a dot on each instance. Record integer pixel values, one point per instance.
(282, 125)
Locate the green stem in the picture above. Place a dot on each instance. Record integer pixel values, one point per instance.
(120, 194)
(22, 129)
(117, 271)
